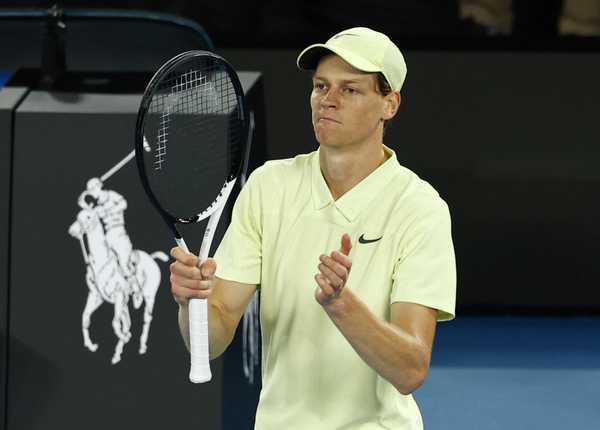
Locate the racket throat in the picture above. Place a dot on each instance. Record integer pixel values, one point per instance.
(179, 240)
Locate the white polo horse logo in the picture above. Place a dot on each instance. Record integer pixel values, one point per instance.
(114, 270)
(107, 283)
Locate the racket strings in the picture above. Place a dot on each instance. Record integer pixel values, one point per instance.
(193, 93)
(196, 118)
(196, 92)
(161, 147)
(198, 102)
(211, 141)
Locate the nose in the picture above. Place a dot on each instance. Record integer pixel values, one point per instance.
(330, 99)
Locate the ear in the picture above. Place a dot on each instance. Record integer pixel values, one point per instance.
(391, 105)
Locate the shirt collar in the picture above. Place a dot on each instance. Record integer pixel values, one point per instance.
(320, 191)
(351, 204)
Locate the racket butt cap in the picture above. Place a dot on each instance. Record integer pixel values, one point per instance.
(201, 377)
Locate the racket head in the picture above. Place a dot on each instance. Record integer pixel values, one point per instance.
(191, 134)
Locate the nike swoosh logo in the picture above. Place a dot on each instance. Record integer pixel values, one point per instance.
(362, 239)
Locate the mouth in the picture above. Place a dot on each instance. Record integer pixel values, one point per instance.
(327, 120)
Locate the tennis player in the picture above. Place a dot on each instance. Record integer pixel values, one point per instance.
(352, 254)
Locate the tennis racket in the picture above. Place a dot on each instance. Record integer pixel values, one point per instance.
(193, 117)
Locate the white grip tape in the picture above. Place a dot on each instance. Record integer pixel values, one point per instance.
(198, 308)
(200, 368)
(198, 323)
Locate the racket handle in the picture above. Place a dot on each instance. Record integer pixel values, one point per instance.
(198, 324)
(200, 368)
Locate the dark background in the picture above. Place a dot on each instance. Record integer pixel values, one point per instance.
(504, 127)
(49, 380)
(428, 24)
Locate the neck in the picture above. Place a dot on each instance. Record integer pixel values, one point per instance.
(343, 168)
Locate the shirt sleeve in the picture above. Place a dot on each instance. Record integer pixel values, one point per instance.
(425, 272)
(239, 255)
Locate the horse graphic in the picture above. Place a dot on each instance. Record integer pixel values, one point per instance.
(107, 283)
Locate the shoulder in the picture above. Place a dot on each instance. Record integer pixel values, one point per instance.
(421, 221)
(281, 172)
(418, 199)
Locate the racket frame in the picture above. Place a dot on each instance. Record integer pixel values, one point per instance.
(198, 312)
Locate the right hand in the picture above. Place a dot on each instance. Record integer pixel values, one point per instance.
(189, 279)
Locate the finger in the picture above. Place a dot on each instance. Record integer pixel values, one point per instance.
(190, 288)
(339, 269)
(179, 291)
(324, 285)
(334, 280)
(208, 268)
(342, 259)
(185, 271)
(346, 244)
(175, 252)
(194, 284)
(180, 282)
(183, 294)
(186, 258)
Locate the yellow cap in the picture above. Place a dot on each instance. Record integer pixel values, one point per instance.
(365, 49)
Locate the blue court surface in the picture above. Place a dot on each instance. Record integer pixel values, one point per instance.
(510, 372)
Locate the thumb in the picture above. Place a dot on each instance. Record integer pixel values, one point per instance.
(208, 267)
(346, 244)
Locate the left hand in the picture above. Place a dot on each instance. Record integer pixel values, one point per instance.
(334, 270)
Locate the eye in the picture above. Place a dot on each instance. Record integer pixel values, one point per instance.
(350, 91)
(319, 86)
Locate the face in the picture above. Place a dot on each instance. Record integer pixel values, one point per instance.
(346, 107)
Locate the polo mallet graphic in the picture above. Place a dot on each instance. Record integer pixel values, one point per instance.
(124, 161)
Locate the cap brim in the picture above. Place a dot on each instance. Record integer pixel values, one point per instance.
(310, 57)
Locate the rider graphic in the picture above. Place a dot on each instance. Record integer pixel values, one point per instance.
(110, 207)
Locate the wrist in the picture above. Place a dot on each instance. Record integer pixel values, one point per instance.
(340, 306)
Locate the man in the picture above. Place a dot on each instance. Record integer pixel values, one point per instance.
(352, 252)
(110, 207)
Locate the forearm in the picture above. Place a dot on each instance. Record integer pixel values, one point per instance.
(221, 329)
(220, 332)
(400, 358)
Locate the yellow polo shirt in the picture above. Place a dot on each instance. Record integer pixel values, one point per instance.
(402, 250)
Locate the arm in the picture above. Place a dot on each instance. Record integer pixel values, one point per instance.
(118, 202)
(227, 300)
(399, 350)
